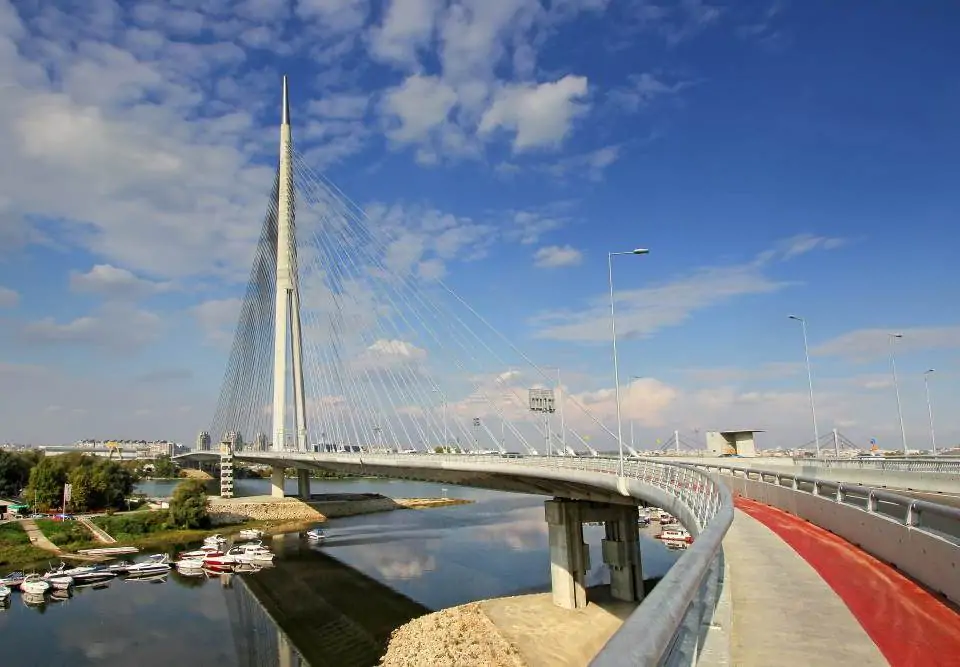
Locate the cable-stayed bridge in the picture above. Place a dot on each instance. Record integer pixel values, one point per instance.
(348, 341)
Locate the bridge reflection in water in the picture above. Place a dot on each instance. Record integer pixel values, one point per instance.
(312, 610)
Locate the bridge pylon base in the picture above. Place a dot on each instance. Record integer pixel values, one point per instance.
(569, 555)
(276, 482)
(621, 553)
(303, 484)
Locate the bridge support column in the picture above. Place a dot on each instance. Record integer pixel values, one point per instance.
(621, 553)
(569, 557)
(276, 482)
(303, 484)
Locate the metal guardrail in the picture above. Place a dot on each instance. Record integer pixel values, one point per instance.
(912, 511)
(667, 628)
(905, 464)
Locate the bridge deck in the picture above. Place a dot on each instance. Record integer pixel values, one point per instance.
(800, 593)
(784, 613)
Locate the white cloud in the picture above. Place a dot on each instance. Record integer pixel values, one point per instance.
(114, 327)
(541, 115)
(643, 89)
(9, 298)
(804, 243)
(113, 283)
(348, 105)
(550, 257)
(218, 319)
(406, 28)
(335, 15)
(419, 104)
(868, 344)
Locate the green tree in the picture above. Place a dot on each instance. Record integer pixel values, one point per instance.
(83, 493)
(14, 473)
(164, 467)
(45, 489)
(188, 507)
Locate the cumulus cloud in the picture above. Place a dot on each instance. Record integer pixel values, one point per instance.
(113, 283)
(541, 115)
(113, 327)
(551, 257)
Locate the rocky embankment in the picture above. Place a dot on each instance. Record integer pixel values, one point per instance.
(456, 637)
(264, 508)
(237, 510)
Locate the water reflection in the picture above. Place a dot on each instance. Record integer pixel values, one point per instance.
(332, 604)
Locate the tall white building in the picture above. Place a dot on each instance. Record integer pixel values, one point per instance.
(203, 442)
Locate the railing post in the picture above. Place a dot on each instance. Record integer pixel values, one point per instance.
(912, 519)
(872, 502)
(841, 495)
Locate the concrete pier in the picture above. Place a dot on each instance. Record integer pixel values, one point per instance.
(569, 556)
(276, 482)
(303, 484)
(621, 553)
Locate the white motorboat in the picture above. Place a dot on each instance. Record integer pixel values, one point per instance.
(201, 553)
(96, 575)
(119, 568)
(4, 592)
(675, 535)
(156, 565)
(12, 580)
(214, 540)
(316, 535)
(250, 534)
(59, 581)
(226, 560)
(665, 518)
(189, 564)
(34, 585)
(254, 555)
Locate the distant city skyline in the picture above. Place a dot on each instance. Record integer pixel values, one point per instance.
(777, 159)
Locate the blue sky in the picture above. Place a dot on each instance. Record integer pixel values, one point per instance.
(776, 157)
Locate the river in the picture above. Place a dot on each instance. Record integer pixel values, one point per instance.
(336, 603)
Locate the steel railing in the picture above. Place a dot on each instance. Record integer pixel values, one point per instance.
(911, 512)
(904, 464)
(667, 628)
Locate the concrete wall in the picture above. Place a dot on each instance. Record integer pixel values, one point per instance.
(931, 560)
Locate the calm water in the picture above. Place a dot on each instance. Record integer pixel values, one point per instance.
(336, 603)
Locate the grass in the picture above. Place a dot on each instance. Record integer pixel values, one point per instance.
(16, 551)
(68, 535)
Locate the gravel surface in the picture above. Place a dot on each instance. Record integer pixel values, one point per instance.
(456, 637)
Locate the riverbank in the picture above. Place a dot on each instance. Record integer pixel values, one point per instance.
(517, 631)
(319, 508)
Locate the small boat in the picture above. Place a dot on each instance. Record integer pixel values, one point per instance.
(13, 579)
(225, 560)
(4, 592)
(201, 553)
(34, 585)
(316, 535)
(95, 575)
(59, 582)
(156, 565)
(675, 535)
(665, 518)
(214, 540)
(189, 564)
(250, 534)
(254, 555)
(119, 568)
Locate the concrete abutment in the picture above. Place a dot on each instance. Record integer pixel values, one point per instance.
(570, 556)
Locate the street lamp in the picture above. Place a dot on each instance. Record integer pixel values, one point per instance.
(613, 332)
(896, 387)
(563, 430)
(926, 387)
(813, 407)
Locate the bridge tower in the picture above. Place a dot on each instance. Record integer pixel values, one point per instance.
(287, 322)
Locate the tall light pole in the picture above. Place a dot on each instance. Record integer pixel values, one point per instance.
(813, 407)
(896, 387)
(563, 429)
(926, 388)
(613, 332)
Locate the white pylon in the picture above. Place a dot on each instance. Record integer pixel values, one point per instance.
(287, 300)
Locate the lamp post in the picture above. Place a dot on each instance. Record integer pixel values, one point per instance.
(813, 407)
(613, 333)
(926, 388)
(559, 395)
(892, 338)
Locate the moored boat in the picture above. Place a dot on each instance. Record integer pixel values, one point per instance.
(250, 534)
(13, 579)
(33, 584)
(214, 540)
(201, 553)
(251, 555)
(316, 535)
(4, 592)
(156, 565)
(675, 535)
(59, 581)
